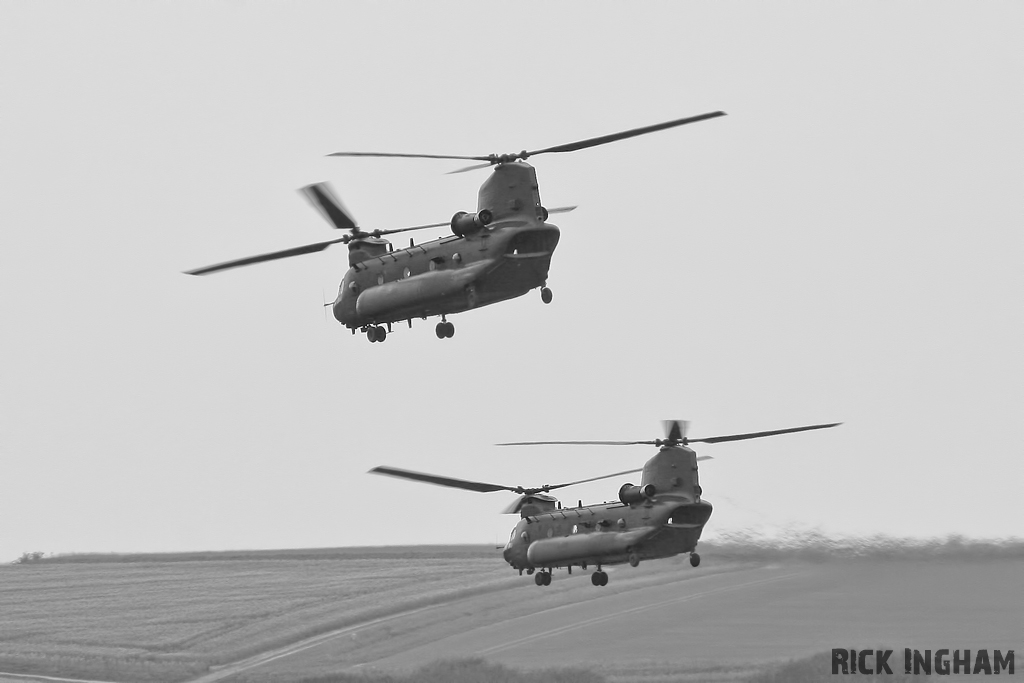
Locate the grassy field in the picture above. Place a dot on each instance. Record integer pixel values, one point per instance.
(161, 618)
(133, 618)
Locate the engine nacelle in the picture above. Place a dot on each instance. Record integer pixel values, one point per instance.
(467, 223)
(630, 493)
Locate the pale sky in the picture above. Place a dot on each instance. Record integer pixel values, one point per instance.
(845, 245)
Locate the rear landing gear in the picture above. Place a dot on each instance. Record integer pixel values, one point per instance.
(542, 578)
(444, 330)
(694, 559)
(545, 295)
(376, 333)
(599, 578)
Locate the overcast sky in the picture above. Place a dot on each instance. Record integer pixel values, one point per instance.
(845, 245)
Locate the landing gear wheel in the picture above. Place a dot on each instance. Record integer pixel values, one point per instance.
(381, 333)
(595, 578)
(547, 578)
(545, 295)
(634, 559)
(371, 334)
(538, 578)
(444, 330)
(694, 559)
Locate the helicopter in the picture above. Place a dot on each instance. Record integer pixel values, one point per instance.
(660, 517)
(500, 252)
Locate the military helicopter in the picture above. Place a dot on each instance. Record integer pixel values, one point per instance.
(500, 252)
(661, 517)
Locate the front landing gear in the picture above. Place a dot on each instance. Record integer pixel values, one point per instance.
(376, 333)
(599, 578)
(694, 559)
(545, 295)
(444, 329)
(542, 578)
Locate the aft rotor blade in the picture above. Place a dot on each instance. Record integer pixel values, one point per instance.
(474, 167)
(409, 156)
(578, 443)
(450, 482)
(758, 435)
(562, 209)
(605, 139)
(272, 256)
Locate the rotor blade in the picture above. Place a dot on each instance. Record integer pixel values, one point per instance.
(324, 200)
(578, 443)
(675, 430)
(450, 482)
(758, 435)
(605, 139)
(445, 224)
(474, 167)
(584, 481)
(408, 156)
(272, 256)
(376, 233)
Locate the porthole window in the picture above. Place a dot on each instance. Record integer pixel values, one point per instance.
(622, 523)
(406, 273)
(575, 528)
(432, 265)
(457, 257)
(525, 536)
(551, 532)
(353, 287)
(380, 279)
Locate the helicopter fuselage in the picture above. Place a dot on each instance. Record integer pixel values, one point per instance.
(483, 262)
(606, 534)
(500, 261)
(662, 517)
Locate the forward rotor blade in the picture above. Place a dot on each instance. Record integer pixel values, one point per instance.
(450, 482)
(482, 487)
(584, 481)
(408, 156)
(605, 139)
(272, 256)
(375, 233)
(578, 443)
(445, 224)
(324, 201)
(758, 435)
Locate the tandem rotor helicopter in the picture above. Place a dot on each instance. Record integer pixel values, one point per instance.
(500, 252)
(661, 517)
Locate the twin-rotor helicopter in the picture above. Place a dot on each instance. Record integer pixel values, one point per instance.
(500, 252)
(661, 517)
